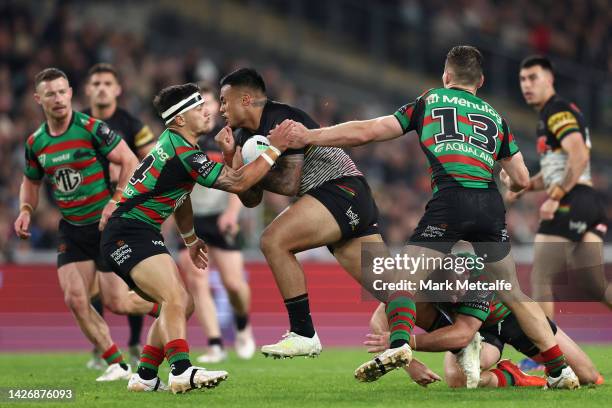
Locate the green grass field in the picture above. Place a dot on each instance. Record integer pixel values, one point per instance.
(326, 381)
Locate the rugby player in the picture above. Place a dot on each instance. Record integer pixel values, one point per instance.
(216, 222)
(102, 90)
(334, 205)
(573, 217)
(463, 137)
(73, 150)
(451, 326)
(134, 247)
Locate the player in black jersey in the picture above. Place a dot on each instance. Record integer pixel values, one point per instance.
(572, 219)
(334, 206)
(103, 89)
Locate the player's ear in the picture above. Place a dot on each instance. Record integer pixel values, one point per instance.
(246, 99)
(70, 92)
(446, 77)
(481, 82)
(119, 91)
(37, 98)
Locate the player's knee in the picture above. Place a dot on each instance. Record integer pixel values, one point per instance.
(271, 241)
(115, 305)
(77, 302)
(233, 287)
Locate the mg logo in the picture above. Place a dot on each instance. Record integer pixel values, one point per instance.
(67, 180)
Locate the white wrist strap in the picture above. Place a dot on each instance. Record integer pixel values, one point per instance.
(268, 159)
(192, 243)
(274, 149)
(188, 234)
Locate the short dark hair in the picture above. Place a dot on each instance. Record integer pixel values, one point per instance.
(466, 63)
(172, 95)
(247, 77)
(538, 60)
(102, 67)
(49, 74)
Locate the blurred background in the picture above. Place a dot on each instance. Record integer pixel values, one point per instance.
(337, 60)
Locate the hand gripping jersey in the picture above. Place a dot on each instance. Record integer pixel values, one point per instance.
(76, 164)
(461, 135)
(164, 178)
(559, 118)
(321, 164)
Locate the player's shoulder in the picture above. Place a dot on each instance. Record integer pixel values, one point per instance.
(275, 109)
(559, 104)
(124, 115)
(39, 133)
(84, 121)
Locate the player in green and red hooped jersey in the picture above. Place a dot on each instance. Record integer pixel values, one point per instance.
(69, 147)
(156, 191)
(103, 90)
(452, 326)
(462, 137)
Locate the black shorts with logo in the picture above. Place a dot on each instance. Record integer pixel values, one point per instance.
(80, 243)
(349, 200)
(508, 331)
(207, 229)
(125, 242)
(580, 211)
(474, 215)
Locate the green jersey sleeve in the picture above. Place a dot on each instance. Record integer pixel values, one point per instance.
(105, 139)
(33, 170)
(479, 310)
(201, 169)
(508, 144)
(404, 117)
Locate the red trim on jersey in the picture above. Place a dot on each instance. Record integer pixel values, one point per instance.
(90, 124)
(449, 158)
(84, 216)
(141, 188)
(154, 172)
(165, 200)
(89, 200)
(75, 165)
(70, 144)
(150, 213)
(183, 149)
(92, 178)
(30, 140)
(465, 176)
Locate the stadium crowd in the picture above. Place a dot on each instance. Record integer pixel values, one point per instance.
(396, 170)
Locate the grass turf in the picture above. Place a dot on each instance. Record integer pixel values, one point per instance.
(326, 381)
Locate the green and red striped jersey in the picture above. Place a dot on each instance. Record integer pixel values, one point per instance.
(461, 135)
(164, 178)
(76, 164)
(497, 313)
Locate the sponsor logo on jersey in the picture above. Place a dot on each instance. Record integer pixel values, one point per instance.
(106, 134)
(433, 98)
(578, 226)
(201, 164)
(42, 159)
(541, 146)
(484, 107)
(61, 248)
(158, 243)
(353, 218)
(603, 228)
(464, 148)
(433, 231)
(67, 180)
(180, 201)
(61, 158)
(81, 154)
(121, 254)
(561, 120)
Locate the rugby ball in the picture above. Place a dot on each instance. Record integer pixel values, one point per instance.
(253, 147)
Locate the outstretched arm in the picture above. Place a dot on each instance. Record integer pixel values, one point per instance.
(348, 134)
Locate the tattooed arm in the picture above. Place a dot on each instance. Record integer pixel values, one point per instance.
(285, 177)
